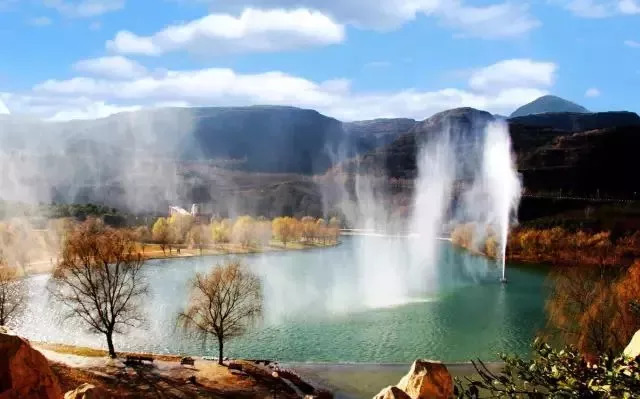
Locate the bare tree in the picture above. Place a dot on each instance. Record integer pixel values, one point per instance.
(100, 279)
(11, 297)
(224, 303)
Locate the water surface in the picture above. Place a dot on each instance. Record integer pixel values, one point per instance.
(314, 309)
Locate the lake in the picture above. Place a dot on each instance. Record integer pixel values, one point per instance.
(336, 305)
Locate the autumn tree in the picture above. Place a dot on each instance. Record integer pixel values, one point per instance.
(161, 233)
(243, 231)
(308, 228)
(626, 294)
(224, 303)
(179, 226)
(263, 232)
(143, 236)
(285, 229)
(100, 279)
(11, 297)
(198, 236)
(322, 230)
(591, 307)
(221, 231)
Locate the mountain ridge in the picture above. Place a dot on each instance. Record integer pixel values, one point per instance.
(546, 104)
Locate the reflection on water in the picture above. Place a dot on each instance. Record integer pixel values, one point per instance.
(314, 310)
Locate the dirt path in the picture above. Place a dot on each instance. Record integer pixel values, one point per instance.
(165, 378)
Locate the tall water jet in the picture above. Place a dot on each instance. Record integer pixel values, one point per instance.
(501, 183)
(464, 173)
(436, 164)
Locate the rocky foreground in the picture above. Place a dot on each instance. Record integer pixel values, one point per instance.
(31, 372)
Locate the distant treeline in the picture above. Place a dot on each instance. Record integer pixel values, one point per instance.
(245, 231)
(54, 211)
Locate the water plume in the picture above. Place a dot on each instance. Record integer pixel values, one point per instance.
(465, 173)
(502, 183)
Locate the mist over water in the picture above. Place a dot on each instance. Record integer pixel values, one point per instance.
(464, 175)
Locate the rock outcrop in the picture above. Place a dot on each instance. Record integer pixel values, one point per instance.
(86, 391)
(633, 349)
(24, 372)
(425, 380)
(392, 393)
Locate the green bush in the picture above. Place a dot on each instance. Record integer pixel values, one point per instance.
(554, 374)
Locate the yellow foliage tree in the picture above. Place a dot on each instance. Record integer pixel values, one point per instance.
(243, 231)
(285, 229)
(221, 231)
(160, 233)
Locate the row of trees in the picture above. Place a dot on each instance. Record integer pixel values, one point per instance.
(553, 246)
(101, 281)
(244, 230)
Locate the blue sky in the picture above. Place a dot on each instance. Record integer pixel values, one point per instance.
(351, 59)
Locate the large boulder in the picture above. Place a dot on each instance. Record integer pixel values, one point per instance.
(427, 380)
(392, 393)
(633, 349)
(86, 391)
(24, 372)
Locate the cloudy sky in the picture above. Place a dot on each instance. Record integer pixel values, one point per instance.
(351, 59)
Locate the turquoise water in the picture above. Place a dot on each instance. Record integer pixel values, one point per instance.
(314, 312)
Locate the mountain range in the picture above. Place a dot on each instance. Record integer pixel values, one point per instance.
(271, 152)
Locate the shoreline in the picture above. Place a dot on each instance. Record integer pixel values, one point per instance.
(46, 267)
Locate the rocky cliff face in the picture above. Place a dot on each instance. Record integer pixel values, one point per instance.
(24, 372)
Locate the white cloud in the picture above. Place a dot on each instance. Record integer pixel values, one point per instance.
(629, 7)
(632, 43)
(496, 20)
(502, 20)
(3, 108)
(253, 31)
(40, 21)
(600, 8)
(111, 67)
(498, 88)
(84, 8)
(592, 92)
(383, 15)
(513, 73)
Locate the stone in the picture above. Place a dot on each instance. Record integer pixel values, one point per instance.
(25, 372)
(86, 391)
(633, 349)
(427, 380)
(392, 393)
